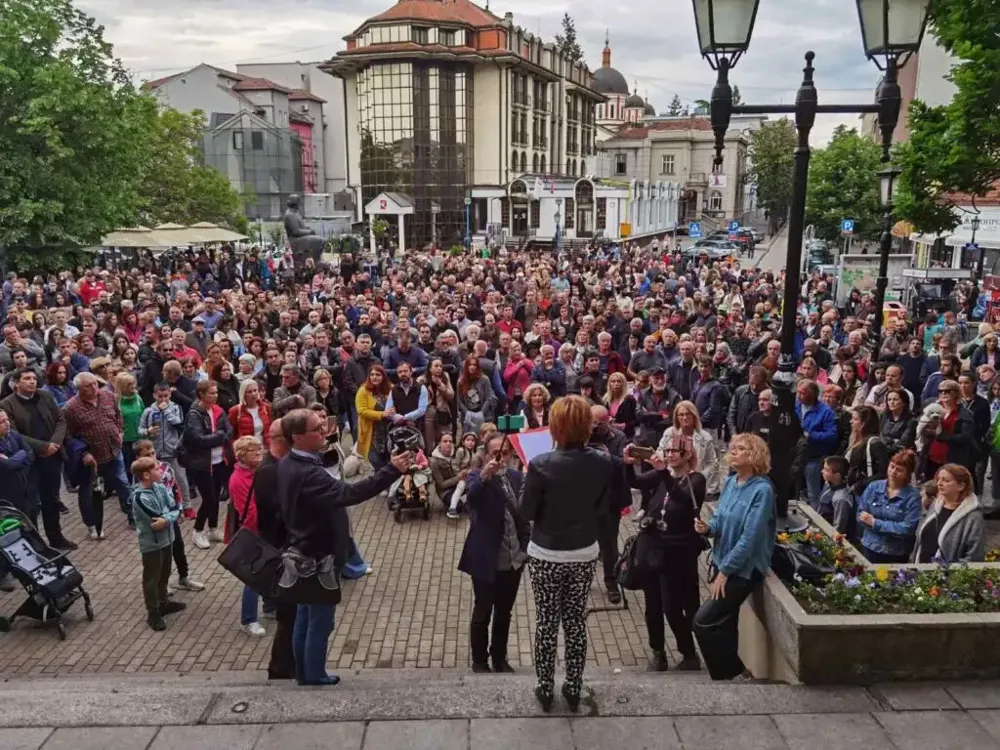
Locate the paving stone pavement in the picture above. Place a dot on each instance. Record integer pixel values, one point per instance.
(921, 730)
(412, 612)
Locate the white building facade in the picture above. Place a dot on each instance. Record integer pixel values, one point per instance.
(453, 108)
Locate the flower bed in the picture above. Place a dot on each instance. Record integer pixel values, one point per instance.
(866, 623)
(858, 589)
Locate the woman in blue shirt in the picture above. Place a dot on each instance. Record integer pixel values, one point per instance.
(743, 528)
(889, 512)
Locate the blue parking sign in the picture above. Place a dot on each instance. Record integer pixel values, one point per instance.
(847, 226)
(734, 226)
(694, 229)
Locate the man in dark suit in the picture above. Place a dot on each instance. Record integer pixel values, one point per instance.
(314, 510)
(494, 554)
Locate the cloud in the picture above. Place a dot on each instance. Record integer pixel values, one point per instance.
(653, 42)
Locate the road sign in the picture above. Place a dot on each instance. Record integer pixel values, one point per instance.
(847, 227)
(468, 201)
(694, 229)
(734, 226)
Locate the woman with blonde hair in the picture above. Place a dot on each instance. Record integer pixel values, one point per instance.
(249, 452)
(536, 406)
(667, 547)
(131, 407)
(621, 405)
(954, 529)
(743, 528)
(687, 423)
(566, 495)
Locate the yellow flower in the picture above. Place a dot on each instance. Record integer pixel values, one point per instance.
(882, 575)
(782, 538)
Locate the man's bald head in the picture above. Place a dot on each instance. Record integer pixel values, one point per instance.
(599, 414)
(277, 444)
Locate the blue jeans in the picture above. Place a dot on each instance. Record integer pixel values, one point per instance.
(355, 567)
(113, 473)
(248, 606)
(313, 626)
(814, 480)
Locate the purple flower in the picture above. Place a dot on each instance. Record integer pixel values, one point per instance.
(839, 577)
(853, 582)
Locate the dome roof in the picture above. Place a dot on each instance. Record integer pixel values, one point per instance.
(635, 101)
(607, 80)
(650, 110)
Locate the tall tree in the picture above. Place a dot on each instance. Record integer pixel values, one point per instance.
(772, 164)
(177, 187)
(567, 41)
(955, 148)
(676, 106)
(74, 129)
(843, 184)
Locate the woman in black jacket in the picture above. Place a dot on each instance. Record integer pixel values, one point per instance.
(621, 405)
(898, 428)
(667, 548)
(566, 496)
(208, 440)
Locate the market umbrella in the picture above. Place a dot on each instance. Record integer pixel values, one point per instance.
(130, 237)
(213, 233)
(173, 235)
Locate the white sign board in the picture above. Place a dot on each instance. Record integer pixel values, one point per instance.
(860, 272)
(717, 180)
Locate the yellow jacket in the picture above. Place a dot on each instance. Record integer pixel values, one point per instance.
(368, 416)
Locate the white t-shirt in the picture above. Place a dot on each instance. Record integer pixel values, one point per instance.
(258, 423)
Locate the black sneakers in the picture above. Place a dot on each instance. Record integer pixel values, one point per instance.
(156, 623)
(170, 608)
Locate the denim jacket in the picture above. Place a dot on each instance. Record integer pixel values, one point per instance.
(896, 519)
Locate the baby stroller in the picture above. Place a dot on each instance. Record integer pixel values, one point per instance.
(51, 581)
(411, 492)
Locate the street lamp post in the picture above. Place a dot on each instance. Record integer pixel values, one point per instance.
(891, 31)
(887, 186)
(558, 218)
(979, 265)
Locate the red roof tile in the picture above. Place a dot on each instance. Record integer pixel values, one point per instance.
(258, 84)
(301, 94)
(439, 11)
(641, 133)
(992, 197)
(155, 84)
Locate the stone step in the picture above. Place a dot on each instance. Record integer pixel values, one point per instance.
(374, 695)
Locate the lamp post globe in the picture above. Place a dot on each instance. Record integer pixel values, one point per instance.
(892, 29)
(724, 29)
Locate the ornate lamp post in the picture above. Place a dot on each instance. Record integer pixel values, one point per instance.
(887, 187)
(558, 218)
(891, 31)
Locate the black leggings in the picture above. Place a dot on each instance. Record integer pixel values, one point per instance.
(209, 484)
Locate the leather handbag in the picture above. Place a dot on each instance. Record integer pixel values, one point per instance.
(253, 561)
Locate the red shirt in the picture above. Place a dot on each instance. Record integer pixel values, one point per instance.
(508, 326)
(89, 291)
(938, 452)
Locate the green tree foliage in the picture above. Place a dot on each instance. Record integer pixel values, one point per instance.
(843, 184)
(74, 131)
(676, 107)
(772, 148)
(176, 186)
(567, 41)
(955, 148)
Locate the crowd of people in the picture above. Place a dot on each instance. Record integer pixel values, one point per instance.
(191, 382)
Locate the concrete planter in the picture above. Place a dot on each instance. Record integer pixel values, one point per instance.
(779, 640)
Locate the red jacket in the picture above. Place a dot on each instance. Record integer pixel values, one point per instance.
(242, 421)
(239, 494)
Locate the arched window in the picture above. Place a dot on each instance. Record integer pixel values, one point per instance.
(567, 166)
(543, 170)
(514, 162)
(715, 201)
(534, 163)
(524, 161)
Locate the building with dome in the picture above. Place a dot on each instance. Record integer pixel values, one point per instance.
(462, 125)
(623, 108)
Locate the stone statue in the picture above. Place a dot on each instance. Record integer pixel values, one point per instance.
(303, 240)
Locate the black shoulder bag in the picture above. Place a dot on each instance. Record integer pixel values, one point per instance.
(252, 560)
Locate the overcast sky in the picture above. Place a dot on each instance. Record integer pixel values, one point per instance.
(653, 41)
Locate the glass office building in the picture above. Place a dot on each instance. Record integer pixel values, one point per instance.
(416, 120)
